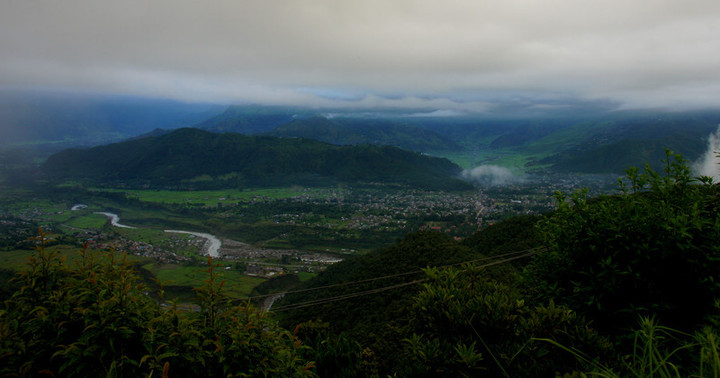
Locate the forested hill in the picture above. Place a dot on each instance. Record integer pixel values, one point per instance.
(611, 145)
(201, 159)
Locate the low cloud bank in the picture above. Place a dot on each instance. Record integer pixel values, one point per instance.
(492, 175)
(708, 165)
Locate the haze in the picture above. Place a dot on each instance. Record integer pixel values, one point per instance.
(469, 56)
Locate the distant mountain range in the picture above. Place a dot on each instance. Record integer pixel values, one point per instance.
(610, 146)
(253, 119)
(597, 144)
(594, 143)
(193, 158)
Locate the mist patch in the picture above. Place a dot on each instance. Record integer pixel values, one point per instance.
(492, 175)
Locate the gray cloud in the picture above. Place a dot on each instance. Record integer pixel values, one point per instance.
(643, 53)
(491, 175)
(709, 162)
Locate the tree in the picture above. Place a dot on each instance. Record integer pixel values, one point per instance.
(467, 324)
(651, 250)
(97, 319)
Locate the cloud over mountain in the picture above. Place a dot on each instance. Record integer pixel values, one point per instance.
(454, 55)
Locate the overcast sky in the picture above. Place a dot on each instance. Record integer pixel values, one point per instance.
(450, 54)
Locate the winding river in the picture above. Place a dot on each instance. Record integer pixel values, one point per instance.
(212, 243)
(114, 219)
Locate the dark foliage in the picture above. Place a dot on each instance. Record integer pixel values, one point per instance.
(652, 250)
(511, 235)
(195, 158)
(466, 324)
(95, 319)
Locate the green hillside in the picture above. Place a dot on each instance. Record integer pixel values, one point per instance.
(199, 159)
(612, 145)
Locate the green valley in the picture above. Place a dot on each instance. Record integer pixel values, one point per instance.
(380, 260)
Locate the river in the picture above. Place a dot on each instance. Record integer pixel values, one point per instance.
(269, 301)
(212, 243)
(114, 219)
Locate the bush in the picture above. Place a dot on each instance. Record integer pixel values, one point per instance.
(467, 324)
(651, 250)
(97, 319)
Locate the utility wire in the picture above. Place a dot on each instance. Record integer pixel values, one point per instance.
(245, 299)
(343, 297)
(321, 301)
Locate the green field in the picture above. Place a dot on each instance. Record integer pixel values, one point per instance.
(87, 221)
(512, 158)
(237, 285)
(212, 197)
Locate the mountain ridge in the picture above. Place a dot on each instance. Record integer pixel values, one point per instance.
(196, 158)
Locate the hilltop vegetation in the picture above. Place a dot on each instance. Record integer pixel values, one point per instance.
(192, 158)
(96, 319)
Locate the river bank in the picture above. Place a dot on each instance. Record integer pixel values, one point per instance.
(211, 247)
(212, 243)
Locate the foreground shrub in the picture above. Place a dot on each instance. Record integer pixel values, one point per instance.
(467, 324)
(97, 319)
(652, 251)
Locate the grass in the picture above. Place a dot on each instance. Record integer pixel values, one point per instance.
(511, 158)
(148, 235)
(212, 197)
(464, 159)
(43, 205)
(657, 352)
(237, 285)
(86, 221)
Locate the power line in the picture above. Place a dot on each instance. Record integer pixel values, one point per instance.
(383, 277)
(346, 296)
(386, 288)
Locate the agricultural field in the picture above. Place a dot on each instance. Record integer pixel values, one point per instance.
(237, 284)
(213, 197)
